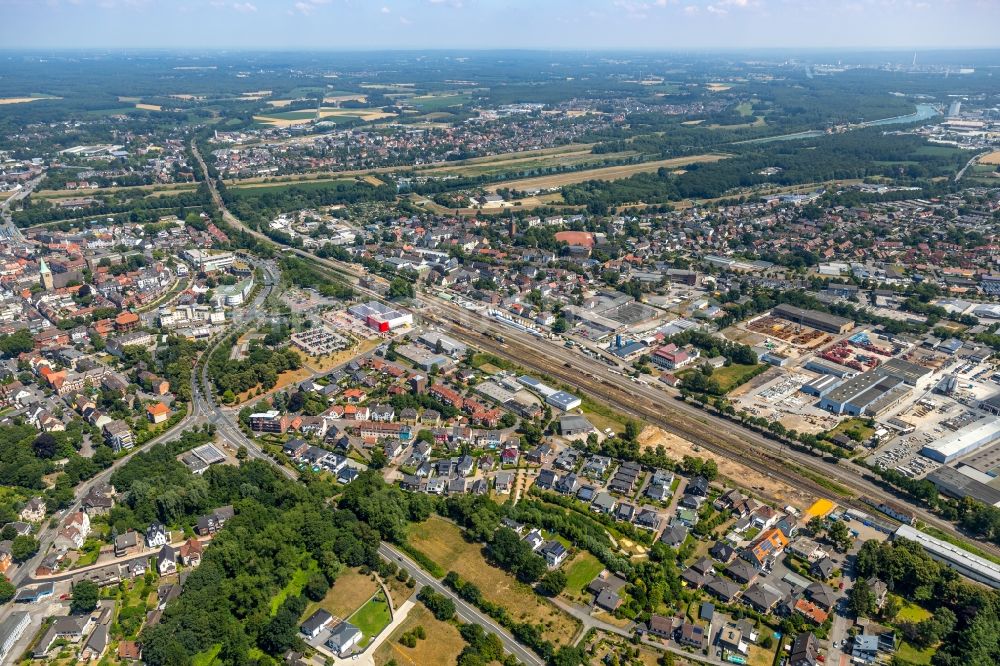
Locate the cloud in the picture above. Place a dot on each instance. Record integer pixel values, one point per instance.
(307, 7)
(385, 10)
(245, 7)
(404, 20)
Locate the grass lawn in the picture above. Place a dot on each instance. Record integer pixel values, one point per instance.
(859, 426)
(438, 102)
(346, 595)
(912, 655)
(912, 613)
(760, 656)
(442, 645)
(580, 571)
(294, 586)
(372, 618)
(443, 543)
(207, 657)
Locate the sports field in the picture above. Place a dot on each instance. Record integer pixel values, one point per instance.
(604, 173)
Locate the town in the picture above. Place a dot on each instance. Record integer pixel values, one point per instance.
(645, 371)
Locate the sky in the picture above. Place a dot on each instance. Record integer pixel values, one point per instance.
(517, 24)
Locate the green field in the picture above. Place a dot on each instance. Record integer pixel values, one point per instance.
(208, 657)
(438, 102)
(859, 426)
(729, 376)
(372, 618)
(912, 613)
(258, 189)
(581, 570)
(911, 655)
(294, 586)
(292, 115)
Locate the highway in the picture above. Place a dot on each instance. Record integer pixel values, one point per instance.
(653, 404)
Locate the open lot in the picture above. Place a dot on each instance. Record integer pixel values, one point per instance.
(767, 486)
(604, 173)
(443, 542)
(442, 645)
(348, 593)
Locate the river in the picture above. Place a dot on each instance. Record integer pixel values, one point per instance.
(923, 112)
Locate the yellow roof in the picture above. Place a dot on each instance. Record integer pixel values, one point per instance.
(821, 508)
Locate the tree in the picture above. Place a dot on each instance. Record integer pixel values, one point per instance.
(861, 600)
(932, 631)
(400, 288)
(45, 446)
(839, 535)
(316, 587)
(242, 453)
(816, 526)
(23, 547)
(6, 590)
(552, 583)
(632, 430)
(441, 606)
(85, 595)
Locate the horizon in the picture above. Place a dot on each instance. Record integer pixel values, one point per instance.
(500, 25)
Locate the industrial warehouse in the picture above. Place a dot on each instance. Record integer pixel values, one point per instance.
(874, 392)
(972, 566)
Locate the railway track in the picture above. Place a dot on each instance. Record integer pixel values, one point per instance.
(715, 434)
(637, 406)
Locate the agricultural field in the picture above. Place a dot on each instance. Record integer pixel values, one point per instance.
(442, 646)
(33, 97)
(289, 118)
(443, 543)
(149, 107)
(429, 103)
(605, 173)
(991, 158)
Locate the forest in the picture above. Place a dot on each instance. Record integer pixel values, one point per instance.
(858, 154)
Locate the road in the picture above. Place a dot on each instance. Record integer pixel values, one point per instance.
(47, 533)
(969, 164)
(653, 404)
(9, 228)
(465, 611)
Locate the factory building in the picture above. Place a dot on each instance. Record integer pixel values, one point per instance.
(958, 483)
(963, 441)
(874, 392)
(822, 385)
(971, 566)
(869, 394)
(814, 319)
